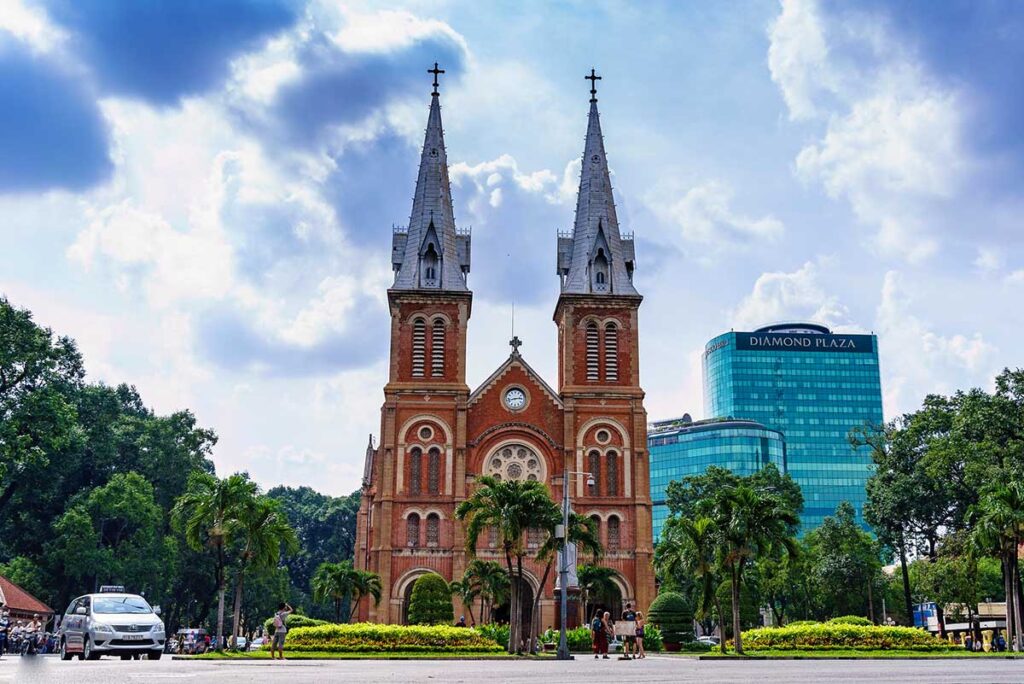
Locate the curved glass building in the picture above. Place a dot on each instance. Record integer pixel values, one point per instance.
(813, 386)
(680, 447)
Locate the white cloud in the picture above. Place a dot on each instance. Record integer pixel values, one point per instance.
(798, 57)
(791, 296)
(390, 30)
(988, 260)
(704, 214)
(31, 25)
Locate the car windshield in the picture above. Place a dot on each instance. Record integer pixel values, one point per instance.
(134, 605)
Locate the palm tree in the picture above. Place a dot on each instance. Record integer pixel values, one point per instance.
(511, 507)
(595, 581)
(491, 581)
(688, 547)
(467, 592)
(998, 528)
(263, 528)
(338, 581)
(208, 512)
(364, 583)
(583, 533)
(750, 523)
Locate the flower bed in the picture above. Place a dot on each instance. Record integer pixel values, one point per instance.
(840, 636)
(368, 638)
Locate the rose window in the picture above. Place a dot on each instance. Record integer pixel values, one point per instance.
(515, 462)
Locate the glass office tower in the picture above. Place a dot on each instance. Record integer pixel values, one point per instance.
(813, 386)
(680, 447)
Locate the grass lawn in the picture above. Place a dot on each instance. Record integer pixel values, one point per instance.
(856, 654)
(326, 655)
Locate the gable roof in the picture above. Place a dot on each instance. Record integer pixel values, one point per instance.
(514, 359)
(19, 600)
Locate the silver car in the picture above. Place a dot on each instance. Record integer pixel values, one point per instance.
(111, 623)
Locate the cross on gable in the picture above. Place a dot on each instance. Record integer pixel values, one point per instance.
(435, 71)
(593, 78)
(515, 343)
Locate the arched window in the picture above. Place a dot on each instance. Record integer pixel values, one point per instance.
(434, 471)
(613, 533)
(492, 537)
(594, 466)
(593, 355)
(415, 470)
(612, 473)
(597, 525)
(419, 347)
(430, 263)
(611, 353)
(600, 270)
(437, 348)
(433, 529)
(412, 530)
(534, 537)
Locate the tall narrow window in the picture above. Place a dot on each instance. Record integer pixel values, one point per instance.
(612, 472)
(534, 536)
(437, 348)
(594, 466)
(415, 471)
(593, 355)
(419, 347)
(597, 525)
(613, 533)
(433, 530)
(412, 530)
(611, 353)
(434, 471)
(492, 537)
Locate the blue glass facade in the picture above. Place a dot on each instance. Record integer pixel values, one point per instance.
(681, 448)
(813, 386)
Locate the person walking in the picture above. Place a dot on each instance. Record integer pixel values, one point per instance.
(629, 637)
(639, 648)
(280, 629)
(5, 628)
(599, 635)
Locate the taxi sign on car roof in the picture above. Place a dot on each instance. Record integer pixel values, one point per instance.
(112, 589)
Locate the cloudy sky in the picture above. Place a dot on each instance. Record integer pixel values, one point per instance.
(202, 193)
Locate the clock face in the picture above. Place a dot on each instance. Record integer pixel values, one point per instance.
(515, 399)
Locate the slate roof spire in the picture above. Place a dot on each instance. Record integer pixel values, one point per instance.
(595, 258)
(430, 253)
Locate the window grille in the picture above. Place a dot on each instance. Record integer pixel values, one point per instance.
(594, 466)
(433, 471)
(412, 530)
(592, 352)
(534, 537)
(612, 472)
(419, 346)
(613, 533)
(415, 471)
(492, 537)
(433, 530)
(611, 353)
(437, 348)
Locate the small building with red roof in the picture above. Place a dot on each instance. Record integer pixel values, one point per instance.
(21, 604)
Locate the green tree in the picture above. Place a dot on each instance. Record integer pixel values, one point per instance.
(845, 563)
(431, 601)
(208, 514)
(689, 548)
(671, 613)
(467, 592)
(263, 531)
(511, 507)
(491, 582)
(998, 529)
(340, 582)
(597, 582)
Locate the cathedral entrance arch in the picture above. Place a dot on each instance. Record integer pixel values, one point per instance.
(503, 612)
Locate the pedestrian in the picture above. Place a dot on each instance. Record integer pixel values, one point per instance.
(1000, 642)
(968, 643)
(461, 622)
(599, 636)
(640, 622)
(5, 628)
(280, 629)
(629, 636)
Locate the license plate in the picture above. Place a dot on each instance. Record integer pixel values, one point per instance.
(132, 637)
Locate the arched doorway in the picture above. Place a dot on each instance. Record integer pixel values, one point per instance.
(502, 612)
(406, 596)
(607, 599)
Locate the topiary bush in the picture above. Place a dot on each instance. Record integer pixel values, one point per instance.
(850, 620)
(840, 636)
(294, 620)
(671, 613)
(431, 601)
(366, 637)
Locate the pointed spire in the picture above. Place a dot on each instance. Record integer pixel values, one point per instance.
(430, 254)
(595, 258)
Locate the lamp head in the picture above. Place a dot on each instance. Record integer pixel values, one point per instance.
(590, 480)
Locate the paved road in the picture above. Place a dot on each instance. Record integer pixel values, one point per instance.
(654, 669)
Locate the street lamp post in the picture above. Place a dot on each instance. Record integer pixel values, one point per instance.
(563, 569)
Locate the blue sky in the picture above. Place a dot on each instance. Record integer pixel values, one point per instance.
(203, 193)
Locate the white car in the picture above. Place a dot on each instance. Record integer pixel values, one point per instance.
(708, 640)
(111, 622)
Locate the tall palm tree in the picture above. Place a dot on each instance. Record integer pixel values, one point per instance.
(689, 547)
(364, 583)
(263, 529)
(467, 592)
(208, 513)
(750, 523)
(583, 533)
(338, 581)
(999, 529)
(596, 580)
(491, 581)
(511, 507)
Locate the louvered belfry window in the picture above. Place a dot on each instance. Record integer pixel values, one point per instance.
(594, 466)
(593, 354)
(415, 471)
(433, 530)
(412, 530)
(434, 471)
(419, 347)
(611, 353)
(612, 473)
(437, 348)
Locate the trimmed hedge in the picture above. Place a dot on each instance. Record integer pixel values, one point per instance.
(850, 620)
(294, 620)
(671, 613)
(366, 637)
(839, 636)
(580, 639)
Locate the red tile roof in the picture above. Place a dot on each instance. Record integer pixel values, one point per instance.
(17, 599)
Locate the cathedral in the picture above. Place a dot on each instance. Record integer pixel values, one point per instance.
(438, 435)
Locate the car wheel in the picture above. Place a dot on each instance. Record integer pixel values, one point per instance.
(155, 655)
(87, 652)
(64, 655)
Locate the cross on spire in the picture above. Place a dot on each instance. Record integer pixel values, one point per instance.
(437, 71)
(593, 78)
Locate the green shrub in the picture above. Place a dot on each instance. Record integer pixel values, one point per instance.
(842, 636)
(578, 639)
(431, 601)
(653, 641)
(366, 637)
(693, 647)
(497, 633)
(293, 620)
(801, 623)
(672, 615)
(850, 620)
